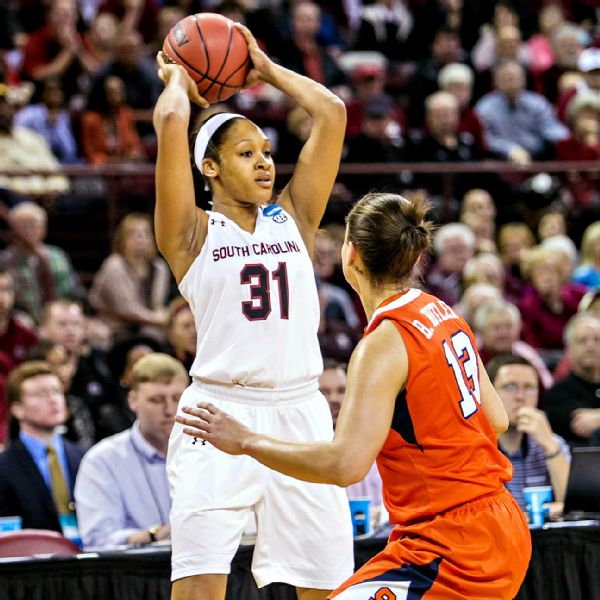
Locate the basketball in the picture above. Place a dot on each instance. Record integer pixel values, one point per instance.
(212, 51)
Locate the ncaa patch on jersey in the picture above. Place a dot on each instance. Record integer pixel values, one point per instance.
(276, 212)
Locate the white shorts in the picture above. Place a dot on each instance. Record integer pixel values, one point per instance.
(304, 531)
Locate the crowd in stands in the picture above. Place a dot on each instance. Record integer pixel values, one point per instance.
(425, 81)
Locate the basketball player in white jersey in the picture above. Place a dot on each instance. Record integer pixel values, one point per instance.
(245, 270)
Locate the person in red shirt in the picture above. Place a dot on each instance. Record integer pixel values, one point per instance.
(419, 400)
(15, 341)
(57, 49)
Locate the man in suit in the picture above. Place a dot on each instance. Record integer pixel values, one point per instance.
(38, 470)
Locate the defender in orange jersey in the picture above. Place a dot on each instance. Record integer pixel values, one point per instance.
(419, 401)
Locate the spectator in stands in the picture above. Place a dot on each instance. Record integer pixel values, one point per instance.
(514, 241)
(133, 15)
(131, 288)
(15, 337)
(38, 470)
(588, 65)
(519, 125)
(538, 455)
(484, 267)
(181, 331)
(295, 135)
(552, 223)
(483, 55)
(22, 148)
(41, 272)
(168, 17)
(332, 384)
(445, 49)
(566, 252)
(337, 339)
(478, 212)
(583, 144)
(588, 272)
(385, 26)
(108, 132)
(498, 327)
(304, 52)
(79, 426)
(573, 403)
(121, 358)
(339, 324)
(540, 46)
(368, 80)
(453, 245)
(380, 141)
(63, 322)
(442, 142)
(52, 121)
(509, 47)
(476, 295)
(457, 79)
(122, 491)
(567, 43)
(135, 69)
(590, 303)
(57, 49)
(101, 38)
(549, 301)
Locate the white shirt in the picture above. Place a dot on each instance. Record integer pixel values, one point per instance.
(255, 304)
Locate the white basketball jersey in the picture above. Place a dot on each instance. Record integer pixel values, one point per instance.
(255, 303)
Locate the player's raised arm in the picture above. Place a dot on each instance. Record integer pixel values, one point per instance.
(308, 191)
(180, 225)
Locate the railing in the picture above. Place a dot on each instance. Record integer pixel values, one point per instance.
(486, 166)
(119, 188)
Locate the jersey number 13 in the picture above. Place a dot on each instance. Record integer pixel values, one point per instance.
(467, 378)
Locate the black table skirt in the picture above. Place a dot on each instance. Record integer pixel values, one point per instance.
(565, 566)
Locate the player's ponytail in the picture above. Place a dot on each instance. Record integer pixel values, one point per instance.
(391, 233)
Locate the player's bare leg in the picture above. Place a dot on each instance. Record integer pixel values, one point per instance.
(200, 587)
(311, 594)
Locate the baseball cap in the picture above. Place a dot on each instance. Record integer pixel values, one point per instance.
(366, 70)
(589, 60)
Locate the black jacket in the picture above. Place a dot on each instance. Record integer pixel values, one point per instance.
(23, 491)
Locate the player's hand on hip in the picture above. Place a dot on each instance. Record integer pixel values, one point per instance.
(207, 422)
(170, 71)
(262, 65)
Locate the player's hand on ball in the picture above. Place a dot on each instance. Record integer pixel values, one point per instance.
(168, 70)
(261, 63)
(220, 429)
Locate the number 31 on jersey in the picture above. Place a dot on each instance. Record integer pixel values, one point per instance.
(460, 350)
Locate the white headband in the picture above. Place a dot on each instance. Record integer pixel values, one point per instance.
(206, 132)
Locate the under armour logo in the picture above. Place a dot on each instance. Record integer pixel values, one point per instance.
(215, 221)
(203, 442)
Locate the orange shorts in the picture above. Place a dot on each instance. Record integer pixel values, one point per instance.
(478, 551)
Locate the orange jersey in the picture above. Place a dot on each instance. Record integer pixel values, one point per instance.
(441, 450)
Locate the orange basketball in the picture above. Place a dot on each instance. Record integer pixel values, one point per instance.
(212, 51)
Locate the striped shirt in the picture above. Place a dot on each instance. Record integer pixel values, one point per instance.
(529, 467)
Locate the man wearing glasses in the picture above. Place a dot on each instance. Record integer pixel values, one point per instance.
(539, 456)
